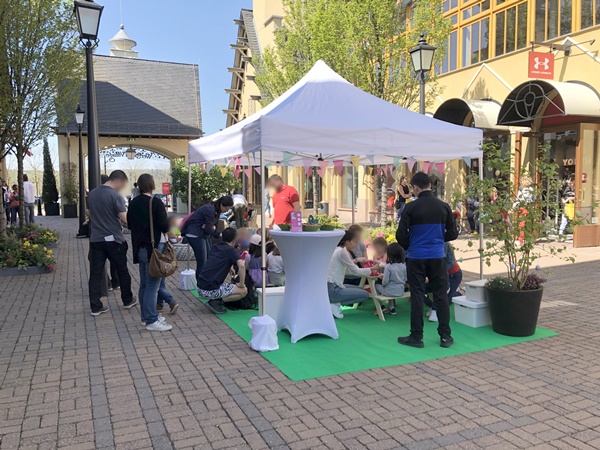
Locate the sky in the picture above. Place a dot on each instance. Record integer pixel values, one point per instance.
(185, 31)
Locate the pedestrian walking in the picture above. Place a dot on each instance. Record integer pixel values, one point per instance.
(108, 215)
(425, 225)
(14, 201)
(28, 199)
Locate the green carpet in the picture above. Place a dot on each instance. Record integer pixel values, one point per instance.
(365, 342)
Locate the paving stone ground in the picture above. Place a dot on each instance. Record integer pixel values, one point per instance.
(68, 380)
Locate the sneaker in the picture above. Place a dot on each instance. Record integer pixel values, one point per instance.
(433, 316)
(411, 341)
(159, 307)
(104, 309)
(159, 326)
(216, 306)
(446, 341)
(390, 311)
(131, 304)
(161, 318)
(428, 313)
(173, 308)
(110, 289)
(116, 288)
(336, 310)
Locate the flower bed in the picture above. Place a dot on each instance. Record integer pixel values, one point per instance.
(22, 254)
(388, 233)
(35, 234)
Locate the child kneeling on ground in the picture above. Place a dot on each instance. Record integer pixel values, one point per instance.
(212, 283)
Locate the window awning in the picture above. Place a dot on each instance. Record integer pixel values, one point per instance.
(481, 114)
(539, 99)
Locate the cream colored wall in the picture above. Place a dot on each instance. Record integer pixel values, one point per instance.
(264, 10)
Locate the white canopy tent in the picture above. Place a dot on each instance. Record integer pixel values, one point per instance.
(325, 117)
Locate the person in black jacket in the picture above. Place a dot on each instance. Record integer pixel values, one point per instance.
(138, 219)
(425, 225)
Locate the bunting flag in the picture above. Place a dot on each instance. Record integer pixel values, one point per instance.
(248, 172)
(339, 166)
(467, 161)
(411, 163)
(390, 169)
(371, 159)
(323, 163)
(321, 171)
(426, 166)
(397, 160)
(307, 166)
(209, 167)
(440, 166)
(287, 156)
(236, 173)
(238, 161)
(269, 164)
(228, 162)
(258, 169)
(308, 171)
(223, 171)
(355, 160)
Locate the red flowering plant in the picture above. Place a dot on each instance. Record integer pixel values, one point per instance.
(22, 254)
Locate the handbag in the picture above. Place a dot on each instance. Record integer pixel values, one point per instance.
(162, 264)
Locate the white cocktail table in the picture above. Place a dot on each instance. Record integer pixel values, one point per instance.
(305, 309)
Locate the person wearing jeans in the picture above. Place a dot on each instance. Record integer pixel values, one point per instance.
(164, 296)
(147, 219)
(107, 217)
(341, 263)
(28, 199)
(455, 277)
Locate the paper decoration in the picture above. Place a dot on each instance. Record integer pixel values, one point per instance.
(440, 167)
(411, 163)
(223, 171)
(355, 160)
(258, 169)
(426, 166)
(238, 161)
(339, 166)
(248, 172)
(236, 173)
(467, 161)
(228, 162)
(296, 221)
(323, 163)
(287, 156)
(397, 160)
(307, 166)
(371, 159)
(321, 171)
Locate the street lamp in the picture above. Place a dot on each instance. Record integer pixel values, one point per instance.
(79, 114)
(88, 21)
(422, 60)
(130, 153)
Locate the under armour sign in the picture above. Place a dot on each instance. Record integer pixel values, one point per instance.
(541, 65)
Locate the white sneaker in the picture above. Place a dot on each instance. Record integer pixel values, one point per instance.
(161, 318)
(336, 310)
(428, 313)
(158, 326)
(433, 316)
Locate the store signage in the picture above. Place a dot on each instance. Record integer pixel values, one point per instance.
(166, 188)
(541, 65)
(296, 221)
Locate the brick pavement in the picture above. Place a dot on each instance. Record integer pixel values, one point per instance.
(68, 380)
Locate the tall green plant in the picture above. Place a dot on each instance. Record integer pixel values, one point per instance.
(365, 41)
(517, 214)
(206, 186)
(70, 186)
(49, 191)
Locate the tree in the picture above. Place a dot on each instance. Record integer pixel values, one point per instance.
(40, 69)
(365, 41)
(206, 185)
(49, 190)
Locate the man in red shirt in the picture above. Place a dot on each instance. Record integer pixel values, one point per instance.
(285, 200)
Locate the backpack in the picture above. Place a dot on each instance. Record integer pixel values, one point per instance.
(250, 301)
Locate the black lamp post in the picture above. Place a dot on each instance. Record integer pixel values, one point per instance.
(88, 21)
(422, 60)
(79, 114)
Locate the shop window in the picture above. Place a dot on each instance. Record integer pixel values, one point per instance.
(475, 42)
(553, 18)
(475, 9)
(589, 13)
(511, 29)
(450, 60)
(448, 5)
(349, 176)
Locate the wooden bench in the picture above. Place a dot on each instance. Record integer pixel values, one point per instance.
(378, 298)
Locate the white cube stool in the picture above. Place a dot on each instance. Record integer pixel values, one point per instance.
(474, 290)
(272, 305)
(472, 314)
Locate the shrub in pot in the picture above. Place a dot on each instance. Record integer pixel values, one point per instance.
(69, 190)
(49, 191)
(518, 212)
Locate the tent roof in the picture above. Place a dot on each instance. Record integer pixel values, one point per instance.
(323, 115)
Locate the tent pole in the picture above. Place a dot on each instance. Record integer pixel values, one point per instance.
(263, 232)
(480, 224)
(353, 192)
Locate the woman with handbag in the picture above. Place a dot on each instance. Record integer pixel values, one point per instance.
(147, 220)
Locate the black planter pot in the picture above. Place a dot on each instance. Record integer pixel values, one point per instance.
(52, 209)
(514, 313)
(69, 211)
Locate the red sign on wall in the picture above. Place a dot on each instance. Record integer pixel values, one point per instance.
(166, 188)
(541, 65)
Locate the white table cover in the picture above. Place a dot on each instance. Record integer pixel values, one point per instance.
(306, 256)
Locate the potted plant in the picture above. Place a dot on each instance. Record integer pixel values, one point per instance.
(49, 191)
(69, 191)
(517, 209)
(21, 257)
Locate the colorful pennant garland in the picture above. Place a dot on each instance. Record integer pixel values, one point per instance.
(339, 166)
(355, 160)
(411, 163)
(248, 172)
(426, 166)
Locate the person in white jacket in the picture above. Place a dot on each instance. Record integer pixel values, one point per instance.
(341, 263)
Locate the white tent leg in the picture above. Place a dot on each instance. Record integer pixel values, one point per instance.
(480, 224)
(353, 193)
(263, 233)
(189, 200)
